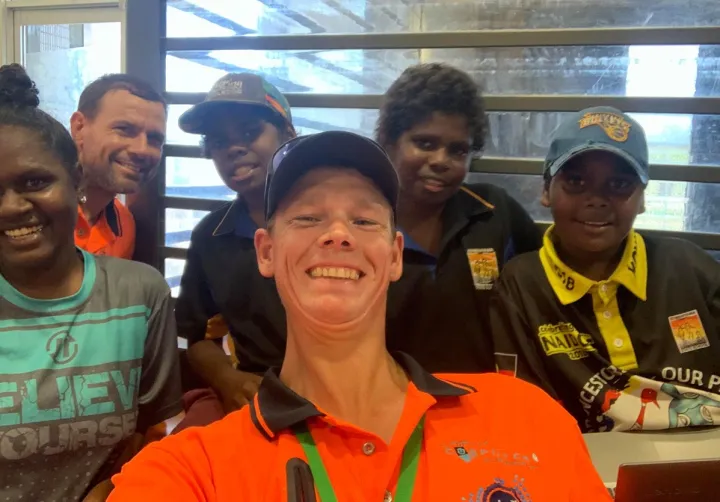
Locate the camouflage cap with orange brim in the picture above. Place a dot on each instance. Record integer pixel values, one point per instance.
(245, 89)
(601, 128)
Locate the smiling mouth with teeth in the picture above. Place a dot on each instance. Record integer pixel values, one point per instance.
(19, 233)
(596, 223)
(335, 273)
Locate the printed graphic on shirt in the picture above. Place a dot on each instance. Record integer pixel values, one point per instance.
(500, 491)
(484, 267)
(506, 364)
(484, 452)
(46, 414)
(615, 401)
(615, 126)
(68, 393)
(688, 331)
(563, 338)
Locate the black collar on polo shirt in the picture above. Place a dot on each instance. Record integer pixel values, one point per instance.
(113, 218)
(277, 407)
(460, 210)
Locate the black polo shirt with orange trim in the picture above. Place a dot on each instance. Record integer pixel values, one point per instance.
(222, 291)
(476, 446)
(638, 351)
(438, 311)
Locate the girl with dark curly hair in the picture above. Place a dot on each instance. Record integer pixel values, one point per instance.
(458, 236)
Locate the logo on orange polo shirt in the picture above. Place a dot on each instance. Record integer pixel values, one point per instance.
(501, 492)
(464, 454)
(467, 451)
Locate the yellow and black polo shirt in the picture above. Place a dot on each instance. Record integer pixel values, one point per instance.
(640, 350)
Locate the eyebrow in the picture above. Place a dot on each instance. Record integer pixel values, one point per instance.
(624, 169)
(34, 170)
(421, 134)
(370, 203)
(152, 134)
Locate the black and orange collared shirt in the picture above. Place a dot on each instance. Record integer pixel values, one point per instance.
(112, 234)
(638, 351)
(480, 442)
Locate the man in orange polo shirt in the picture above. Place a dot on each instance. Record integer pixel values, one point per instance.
(343, 419)
(119, 129)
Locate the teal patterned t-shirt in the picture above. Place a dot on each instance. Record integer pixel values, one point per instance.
(80, 375)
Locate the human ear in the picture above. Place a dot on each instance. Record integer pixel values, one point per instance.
(77, 127)
(264, 251)
(545, 197)
(396, 264)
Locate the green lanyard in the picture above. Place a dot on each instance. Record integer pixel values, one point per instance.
(408, 468)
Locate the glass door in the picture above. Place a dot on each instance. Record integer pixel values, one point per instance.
(63, 50)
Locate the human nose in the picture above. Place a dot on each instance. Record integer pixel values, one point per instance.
(338, 236)
(597, 197)
(142, 149)
(440, 160)
(237, 151)
(13, 204)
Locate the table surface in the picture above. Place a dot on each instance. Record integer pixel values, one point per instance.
(611, 449)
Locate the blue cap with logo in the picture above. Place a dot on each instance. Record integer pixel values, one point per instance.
(604, 129)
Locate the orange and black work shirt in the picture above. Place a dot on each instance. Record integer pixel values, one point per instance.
(438, 310)
(489, 438)
(638, 351)
(113, 234)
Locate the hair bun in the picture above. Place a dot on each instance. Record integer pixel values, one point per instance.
(16, 88)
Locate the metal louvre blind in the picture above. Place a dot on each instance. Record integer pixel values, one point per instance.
(536, 60)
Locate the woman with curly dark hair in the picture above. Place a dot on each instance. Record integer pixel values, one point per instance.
(458, 236)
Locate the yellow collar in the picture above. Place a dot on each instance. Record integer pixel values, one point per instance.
(569, 286)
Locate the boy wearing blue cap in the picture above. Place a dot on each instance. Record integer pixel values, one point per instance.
(622, 329)
(243, 120)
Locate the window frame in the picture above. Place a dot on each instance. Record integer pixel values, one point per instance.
(432, 40)
(14, 14)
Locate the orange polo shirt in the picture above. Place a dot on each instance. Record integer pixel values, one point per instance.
(488, 438)
(113, 233)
